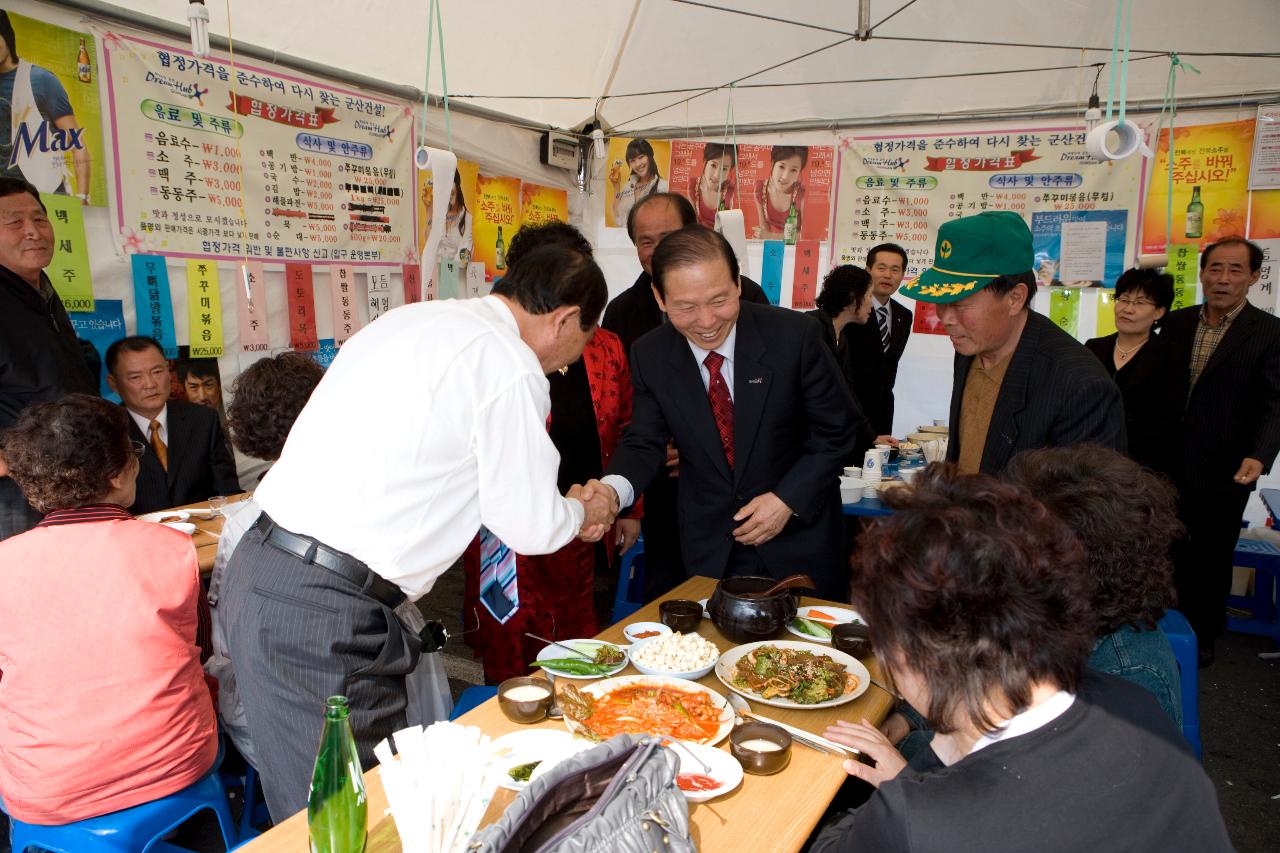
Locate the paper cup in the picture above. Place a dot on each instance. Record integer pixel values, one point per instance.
(872, 466)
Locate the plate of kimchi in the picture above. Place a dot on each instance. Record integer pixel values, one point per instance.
(791, 674)
(646, 704)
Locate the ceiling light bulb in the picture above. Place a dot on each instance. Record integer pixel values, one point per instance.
(198, 15)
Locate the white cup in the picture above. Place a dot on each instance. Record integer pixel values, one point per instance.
(908, 474)
(884, 453)
(853, 471)
(851, 490)
(872, 465)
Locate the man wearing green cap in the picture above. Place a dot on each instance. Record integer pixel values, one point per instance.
(1020, 382)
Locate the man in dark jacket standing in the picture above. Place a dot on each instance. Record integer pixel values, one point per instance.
(40, 357)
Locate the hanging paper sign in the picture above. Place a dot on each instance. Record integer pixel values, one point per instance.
(102, 327)
(152, 303)
(204, 309)
(325, 352)
(1064, 308)
(1106, 324)
(926, 321)
(412, 276)
(342, 290)
(302, 307)
(1265, 292)
(251, 307)
(1210, 185)
(804, 280)
(475, 280)
(1184, 266)
(448, 277)
(69, 270)
(771, 271)
(379, 292)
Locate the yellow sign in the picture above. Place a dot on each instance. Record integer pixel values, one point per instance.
(204, 309)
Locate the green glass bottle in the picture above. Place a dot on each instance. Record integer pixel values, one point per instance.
(789, 230)
(1195, 215)
(500, 252)
(336, 811)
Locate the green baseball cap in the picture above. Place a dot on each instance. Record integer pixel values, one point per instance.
(971, 253)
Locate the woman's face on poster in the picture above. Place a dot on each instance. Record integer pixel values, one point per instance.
(641, 167)
(786, 173)
(717, 169)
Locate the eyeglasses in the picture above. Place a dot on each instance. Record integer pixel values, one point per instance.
(139, 449)
(1133, 303)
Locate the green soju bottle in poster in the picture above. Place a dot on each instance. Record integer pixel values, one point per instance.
(336, 811)
(789, 231)
(500, 252)
(1195, 215)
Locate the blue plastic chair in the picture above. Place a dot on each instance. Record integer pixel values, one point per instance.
(255, 812)
(1185, 650)
(134, 830)
(1264, 559)
(630, 595)
(470, 698)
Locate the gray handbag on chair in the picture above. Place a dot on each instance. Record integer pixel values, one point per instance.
(620, 797)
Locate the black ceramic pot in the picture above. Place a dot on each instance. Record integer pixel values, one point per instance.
(747, 620)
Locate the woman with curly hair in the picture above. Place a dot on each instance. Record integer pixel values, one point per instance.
(979, 602)
(103, 704)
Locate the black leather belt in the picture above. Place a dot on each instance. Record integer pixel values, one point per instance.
(344, 565)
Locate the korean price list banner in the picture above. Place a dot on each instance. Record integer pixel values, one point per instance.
(218, 163)
(901, 188)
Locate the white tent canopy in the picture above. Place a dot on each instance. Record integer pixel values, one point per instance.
(562, 62)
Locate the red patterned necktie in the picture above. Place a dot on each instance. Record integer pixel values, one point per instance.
(721, 403)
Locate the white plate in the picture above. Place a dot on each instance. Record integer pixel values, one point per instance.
(642, 628)
(549, 746)
(599, 689)
(588, 647)
(841, 614)
(181, 526)
(724, 769)
(166, 515)
(728, 660)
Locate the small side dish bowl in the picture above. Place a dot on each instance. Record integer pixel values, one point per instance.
(638, 631)
(680, 614)
(519, 700)
(762, 749)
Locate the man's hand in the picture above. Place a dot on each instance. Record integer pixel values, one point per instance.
(887, 439)
(1250, 471)
(601, 505)
(868, 740)
(763, 518)
(627, 531)
(673, 460)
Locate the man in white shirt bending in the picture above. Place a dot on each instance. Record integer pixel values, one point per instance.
(382, 484)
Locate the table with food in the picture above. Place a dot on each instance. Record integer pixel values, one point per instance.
(739, 687)
(202, 522)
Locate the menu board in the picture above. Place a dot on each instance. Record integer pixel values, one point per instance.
(223, 162)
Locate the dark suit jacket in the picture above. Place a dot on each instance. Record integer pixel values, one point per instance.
(1054, 394)
(862, 376)
(200, 463)
(1151, 411)
(1234, 410)
(635, 312)
(793, 430)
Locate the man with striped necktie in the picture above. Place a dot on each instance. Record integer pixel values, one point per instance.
(887, 263)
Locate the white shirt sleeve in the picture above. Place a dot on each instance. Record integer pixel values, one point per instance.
(520, 501)
(621, 485)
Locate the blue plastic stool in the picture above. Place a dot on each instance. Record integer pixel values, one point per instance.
(630, 595)
(255, 811)
(1264, 559)
(1185, 649)
(134, 830)
(470, 698)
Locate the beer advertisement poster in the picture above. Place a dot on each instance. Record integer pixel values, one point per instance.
(497, 221)
(634, 169)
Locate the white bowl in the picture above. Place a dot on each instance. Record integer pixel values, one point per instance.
(643, 628)
(852, 472)
(692, 675)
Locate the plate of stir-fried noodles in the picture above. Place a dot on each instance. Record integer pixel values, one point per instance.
(791, 674)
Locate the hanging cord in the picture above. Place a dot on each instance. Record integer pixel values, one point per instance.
(435, 25)
(444, 78)
(244, 214)
(1119, 78)
(730, 126)
(1171, 104)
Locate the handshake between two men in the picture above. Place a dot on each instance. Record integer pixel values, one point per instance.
(601, 504)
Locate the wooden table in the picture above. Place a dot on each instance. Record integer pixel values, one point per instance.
(774, 813)
(207, 530)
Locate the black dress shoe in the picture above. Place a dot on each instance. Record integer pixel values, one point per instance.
(1205, 657)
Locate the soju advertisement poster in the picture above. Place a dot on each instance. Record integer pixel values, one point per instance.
(457, 238)
(539, 204)
(705, 173)
(49, 108)
(1210, 184)
(497, 221)
(635, 168)
(772, 179)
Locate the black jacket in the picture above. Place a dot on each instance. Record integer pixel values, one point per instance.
(1151, 411)
(200, 463)
(862, 374)
(1054, 394)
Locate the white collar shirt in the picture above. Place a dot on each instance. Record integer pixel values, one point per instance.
(1029, 720)
(726, 367)
(144, 424)
(431, 422)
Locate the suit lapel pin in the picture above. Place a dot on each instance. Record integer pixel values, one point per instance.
(759, 380)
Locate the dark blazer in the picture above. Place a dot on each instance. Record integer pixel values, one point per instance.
(793, 431)
(1234, 410)
(862, 376)
(200, 463)
(1151, 412)
(1054, 394)
(635, 312)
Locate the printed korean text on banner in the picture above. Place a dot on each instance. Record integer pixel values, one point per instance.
(497, 221)
(102, 327)
(771, 270)
(804, 281)
(782, 183)
(539, 204)
(1078, 247)
(324, 174)
(342, 291)
(1264, 165)
(476, 285)
(302, 307)
(325, 352)
(69, 269)
(1265, 292)
(251, 307)
(704, 173)
(636, 169)
(204, 309)
(379, 279)
(1064, 309)
(153, 303)
(900, 187)
(411, 277)
(1184, 266)
(51, 124)
(1210, 185)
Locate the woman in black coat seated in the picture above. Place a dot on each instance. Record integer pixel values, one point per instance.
(978, 602)
(1135, 357)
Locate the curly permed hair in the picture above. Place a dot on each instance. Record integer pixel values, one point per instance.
(268, 398)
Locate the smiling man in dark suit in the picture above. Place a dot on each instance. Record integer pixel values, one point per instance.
(764, 423)
(187, 458)
(1020, 382)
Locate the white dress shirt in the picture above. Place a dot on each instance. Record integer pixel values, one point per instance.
(1029, 720)
(621, 485)
(144, 424)
(431, 422)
